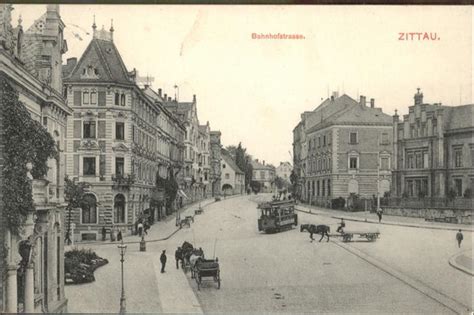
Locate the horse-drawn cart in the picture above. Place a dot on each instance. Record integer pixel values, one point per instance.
(370, 234)
(207, 268)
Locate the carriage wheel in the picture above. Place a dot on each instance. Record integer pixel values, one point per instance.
(347, 237)
(370, 237)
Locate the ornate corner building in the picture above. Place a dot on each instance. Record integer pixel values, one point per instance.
(30, 62)
(120, 140)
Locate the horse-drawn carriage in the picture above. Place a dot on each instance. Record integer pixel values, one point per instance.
(370, 234)
(193, 259)
(277, 215)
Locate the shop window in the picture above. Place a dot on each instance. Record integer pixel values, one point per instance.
(119, 209)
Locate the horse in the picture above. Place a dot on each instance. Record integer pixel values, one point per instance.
(316, 229)
(196, 256)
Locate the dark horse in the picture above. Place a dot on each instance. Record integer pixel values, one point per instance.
(316, 229)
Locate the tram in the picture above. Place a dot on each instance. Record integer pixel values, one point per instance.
(276, 216)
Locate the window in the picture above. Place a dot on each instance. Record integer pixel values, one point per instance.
(119, 131)
(353, 138)
(227, 176)
(85, 98)
(458, 186)
(410, 161)
(324, 140)
(324, 188)
(318, 188)
(319, 142)
(122, 100)
(89, 129)
(409, 189)
(418, 160)
(458, 158)
(353, 163)
(384, 139)
(89, 166)
(94, 97)
(119, 166)
(119, 209)
(89, 209)
(262, 174)
(329, 187)
(384, 165)
(117, 98)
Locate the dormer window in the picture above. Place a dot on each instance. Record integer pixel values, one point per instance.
(90, 72)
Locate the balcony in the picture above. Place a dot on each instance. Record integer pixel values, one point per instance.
(123, 181)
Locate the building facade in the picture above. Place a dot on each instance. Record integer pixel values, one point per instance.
(343, 148)
(30, 63)
(119, 140)
(233, 179)
(264, 174)
(216, 158)
(197, 150)
(284, 171)
(434, 152)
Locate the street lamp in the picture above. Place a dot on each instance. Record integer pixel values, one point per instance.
(122, 249)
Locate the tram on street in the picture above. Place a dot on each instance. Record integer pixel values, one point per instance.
(276, 216)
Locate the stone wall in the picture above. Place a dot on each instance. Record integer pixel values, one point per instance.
(436, 215)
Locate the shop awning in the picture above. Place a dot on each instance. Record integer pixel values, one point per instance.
(182, 194)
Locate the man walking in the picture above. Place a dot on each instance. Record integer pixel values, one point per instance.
(140, 228)
(379, 214)
(459, 238)
(163, 261)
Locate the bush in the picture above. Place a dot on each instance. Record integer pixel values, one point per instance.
(338, 203)
(80, 264)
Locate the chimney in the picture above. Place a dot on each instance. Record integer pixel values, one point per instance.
(159, 92)
(362, 100)
(194, 98)
(111, 29)
(71, 62)
(335, 94)
(418, 97)
(256, 160)
(169, 98)
(263, 162)
(332, 98)
(372, 103)
(165, 97)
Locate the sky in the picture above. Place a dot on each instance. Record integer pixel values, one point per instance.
(254, 90)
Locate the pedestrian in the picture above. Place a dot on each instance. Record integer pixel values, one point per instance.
(119, 235)
(104, 233)
(112, 234)
(379, 214)
(459, 238)
(163, 261)
(140, 228)
(178, 256)
(146, 227)
(342, 225)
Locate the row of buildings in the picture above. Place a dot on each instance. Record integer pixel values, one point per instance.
(347, 148)
(130, 143)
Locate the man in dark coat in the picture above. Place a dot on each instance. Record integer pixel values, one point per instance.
(342, 225)
(163, 261)
(459, 238)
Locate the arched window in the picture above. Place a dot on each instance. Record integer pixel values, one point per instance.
(119, 209)
(122, 100)
(89, 209)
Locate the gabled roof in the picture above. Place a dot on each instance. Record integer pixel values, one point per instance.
(103, 56)
(328, 108)
(230, 161)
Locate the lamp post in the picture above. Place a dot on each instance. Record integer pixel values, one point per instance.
(122, 249)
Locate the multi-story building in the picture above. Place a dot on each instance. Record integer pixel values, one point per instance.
(264, 174)
(284, 171)
(216, 158)
(173, 133)
(233, 179)
(343, 147)
(120, 140)
(197, 151)
(30, 63)
(433, 151)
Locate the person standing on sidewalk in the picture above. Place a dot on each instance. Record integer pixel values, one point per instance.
(140, 228)
(104, 233)
(459, 238)
(379, 214)
(163, 261)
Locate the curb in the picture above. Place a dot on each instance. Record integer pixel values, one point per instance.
(391, 223)
(452, 262)
(437, 296)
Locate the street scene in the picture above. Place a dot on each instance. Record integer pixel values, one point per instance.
(236, 159)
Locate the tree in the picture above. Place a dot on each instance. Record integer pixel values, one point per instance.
(280, 183)
(294, 179)
(74, 197)
(244, 162)
(232, 149)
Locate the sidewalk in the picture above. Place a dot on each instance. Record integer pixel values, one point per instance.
(386, 219)
(463, 261)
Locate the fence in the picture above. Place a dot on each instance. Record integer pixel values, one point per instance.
(432, 203)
